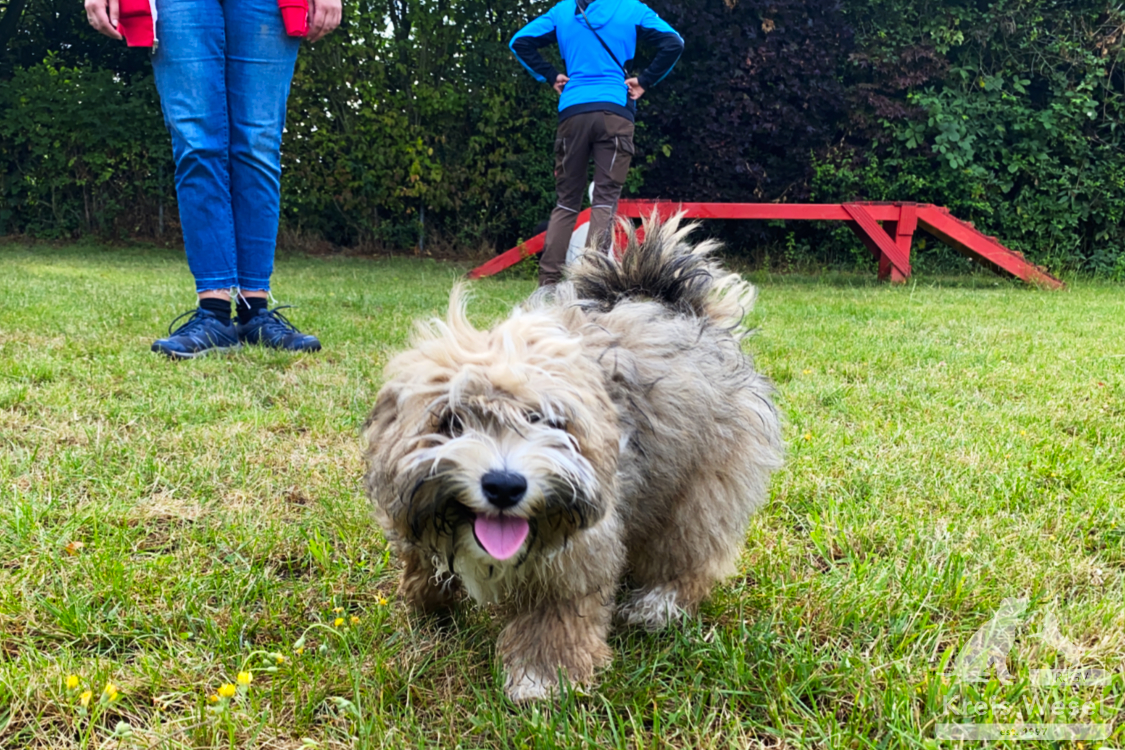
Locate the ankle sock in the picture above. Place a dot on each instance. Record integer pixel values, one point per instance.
(219, 307)
(248, 307)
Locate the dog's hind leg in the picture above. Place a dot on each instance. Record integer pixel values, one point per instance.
(697, 545)
(423, 587)
(566, 635)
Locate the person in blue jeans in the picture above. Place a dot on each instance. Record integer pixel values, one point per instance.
(223, 69)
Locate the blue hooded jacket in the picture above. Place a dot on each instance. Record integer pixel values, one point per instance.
(597, 81)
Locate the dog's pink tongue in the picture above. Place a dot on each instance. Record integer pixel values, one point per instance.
(501, 536)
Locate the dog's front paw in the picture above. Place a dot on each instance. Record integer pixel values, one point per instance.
(529, 685)
(652, 609)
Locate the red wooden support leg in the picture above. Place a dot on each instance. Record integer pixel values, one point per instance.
(882, 259)
(887, 271)
(879, 242)
(903, 234)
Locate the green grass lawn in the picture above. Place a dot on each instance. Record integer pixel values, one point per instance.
(167, 525)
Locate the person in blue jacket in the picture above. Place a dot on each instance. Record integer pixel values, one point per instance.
(598, 102)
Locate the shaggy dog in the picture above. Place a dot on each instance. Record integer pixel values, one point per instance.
(612, 439)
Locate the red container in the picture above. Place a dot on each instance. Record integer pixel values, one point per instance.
(138, 28)
(295, 14)
(136, 23)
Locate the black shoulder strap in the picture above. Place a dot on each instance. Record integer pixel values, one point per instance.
(605, 46)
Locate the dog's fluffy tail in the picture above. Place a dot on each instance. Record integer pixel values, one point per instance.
(667, 268)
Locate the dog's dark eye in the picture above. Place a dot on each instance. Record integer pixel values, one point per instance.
(451, 425)
(555, 424)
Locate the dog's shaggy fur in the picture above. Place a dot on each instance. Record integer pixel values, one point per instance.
(631, 437)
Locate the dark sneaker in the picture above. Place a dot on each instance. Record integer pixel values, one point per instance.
(271, 328)
(201, 334)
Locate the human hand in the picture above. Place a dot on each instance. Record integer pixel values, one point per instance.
(560, 81)
(636, 91)
(324, 16)
(103, 16)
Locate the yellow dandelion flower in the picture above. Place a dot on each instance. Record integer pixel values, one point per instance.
(337, 610)
(213, 698)
(299, 650)
(245, 678)
(338, 621)
(84, 699)
(110, 691)
(280, 659)
(227, 691)
(354, 620)
(808, 436)
(383, 601)
(72, 682)
(806, 372)
(1023, 432)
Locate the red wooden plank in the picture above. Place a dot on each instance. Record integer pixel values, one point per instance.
(902, 232)
(509, 258)
(887, 271)
(865, 225)
(907, 224)
(965, 238)
(641, 209)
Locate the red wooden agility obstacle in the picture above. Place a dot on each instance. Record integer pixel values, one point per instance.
(889, 241)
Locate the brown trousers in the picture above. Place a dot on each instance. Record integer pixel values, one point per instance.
(609, 139)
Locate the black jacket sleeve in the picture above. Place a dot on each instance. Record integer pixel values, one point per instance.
(669, 46)
(527, 50)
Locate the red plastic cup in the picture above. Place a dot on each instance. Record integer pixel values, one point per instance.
(295, 14)
(135, 23)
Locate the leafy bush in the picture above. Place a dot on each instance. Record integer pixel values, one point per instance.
(83, 151)
(1021, 132)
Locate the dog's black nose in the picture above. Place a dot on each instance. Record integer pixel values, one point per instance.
(503, 488)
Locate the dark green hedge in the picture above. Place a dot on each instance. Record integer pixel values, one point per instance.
(1010, 112)
(84, 151)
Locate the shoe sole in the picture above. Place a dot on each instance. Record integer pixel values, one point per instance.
(192, 355)
(282, 348)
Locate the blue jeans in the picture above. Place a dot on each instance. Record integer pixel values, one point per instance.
(223, 71)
